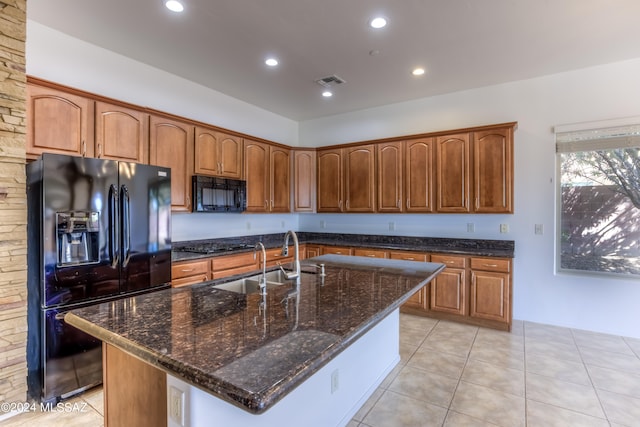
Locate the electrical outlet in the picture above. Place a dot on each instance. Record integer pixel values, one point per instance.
(248, 225)
(176, 405)
(282, 224)
(335, 381)
(323, 224)
(539, 229)
(471, 227)
(504, 228)
(392, 226)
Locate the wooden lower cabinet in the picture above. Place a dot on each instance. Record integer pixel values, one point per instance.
(490, 289)
(371, 253)
(228, 265)
(135, 393)
(313, 250)
(189, 272)
(275, 257)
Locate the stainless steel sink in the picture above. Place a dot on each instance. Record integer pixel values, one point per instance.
(249, 285)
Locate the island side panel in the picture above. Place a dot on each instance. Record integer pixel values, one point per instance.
(135, 393)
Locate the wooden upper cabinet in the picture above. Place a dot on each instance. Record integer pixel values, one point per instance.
(279, 179)
(121, 133)
(267, 170)
(452, 173)
(330, 176)
(359, 178)
(256, 173)
(171, 145)
(217, 153)
(419, 176)
(390, 177)
(304, 182)
(493, 171)
(58, 122)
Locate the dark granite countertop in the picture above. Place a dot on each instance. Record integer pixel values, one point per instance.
(227, 344)
(477, 247)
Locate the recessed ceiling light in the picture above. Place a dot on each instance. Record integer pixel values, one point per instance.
(418, 71)
(174, 5)
(327, 94)
(378, 22)
(271, 62)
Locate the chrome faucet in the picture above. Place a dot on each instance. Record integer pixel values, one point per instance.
(262, 282)
(295, 274)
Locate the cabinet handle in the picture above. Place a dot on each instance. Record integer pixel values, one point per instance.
(221, 167)
(84, 148)
(187, 270)
(188, 202)
(407, 203)
(340, 204)
(410, 258)
(99, 151)
(266, 203)
(398, 204)
(272, 204)
(371, 255)
(490, 265)
(347, 203)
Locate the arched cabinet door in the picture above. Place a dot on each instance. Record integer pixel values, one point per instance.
(121, 133)
(452, 173)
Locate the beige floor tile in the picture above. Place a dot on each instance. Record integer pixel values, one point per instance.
(95, 398)
(456, 419)
(78, 414)
(458, 329)
(426, 386)
(408, 321)
(517, 327)
(543, 415)
(392, 376)
(499, 339)
(598, 341)
(413, 336)
(396, 410)
(353, 423)
(406, 351)
(607, 359)
(615, 381)
(549, 348)
(434, 361)
(498, 356)
(495, 377)
(634, 344)
(548, 332)
(490, 405)
(575, 397)
(620, 409)
(448, 342)
(574, 372)
(364, 410)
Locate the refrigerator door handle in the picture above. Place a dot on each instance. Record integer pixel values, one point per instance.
(114, 221)
(126, 225)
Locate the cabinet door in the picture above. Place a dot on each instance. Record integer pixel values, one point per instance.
(448, 293)
(490, 296)
(390, 177)
(493, 171)
(452, 170)
(279, 182)
(256, 173)
(206, 160)
(304, 182)
(171, 145)
(121, 133)
(230, 155)
(330, 180)
(359, 179)
(419, 175)
(58, 122)
(313, 251)
(419, 300)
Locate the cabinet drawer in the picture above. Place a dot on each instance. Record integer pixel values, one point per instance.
(491, 264)
(275, 257)
(189, 280)
(337, 250)
(371, 253)
(189, 268)
(452, 261)
(408, 256)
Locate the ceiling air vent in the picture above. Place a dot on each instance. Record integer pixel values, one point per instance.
(330, 81)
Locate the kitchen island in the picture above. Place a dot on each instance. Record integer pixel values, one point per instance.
(305, 354)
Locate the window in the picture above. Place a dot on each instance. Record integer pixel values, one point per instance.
(599, 198)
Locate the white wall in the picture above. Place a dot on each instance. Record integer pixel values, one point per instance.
(605, 92)
(541, 295)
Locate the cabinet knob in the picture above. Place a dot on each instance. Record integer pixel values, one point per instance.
(84, 148)
(99, 151)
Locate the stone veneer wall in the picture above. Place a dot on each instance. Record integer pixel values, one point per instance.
(13, 203)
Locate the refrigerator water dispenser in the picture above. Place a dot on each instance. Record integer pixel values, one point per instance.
(78, 235)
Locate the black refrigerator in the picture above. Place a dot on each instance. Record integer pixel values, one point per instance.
(98, 230)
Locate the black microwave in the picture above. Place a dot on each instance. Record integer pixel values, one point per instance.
(212, 194)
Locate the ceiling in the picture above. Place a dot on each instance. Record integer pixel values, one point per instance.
(463, 44)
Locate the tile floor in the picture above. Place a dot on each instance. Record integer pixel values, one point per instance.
(459, 375)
